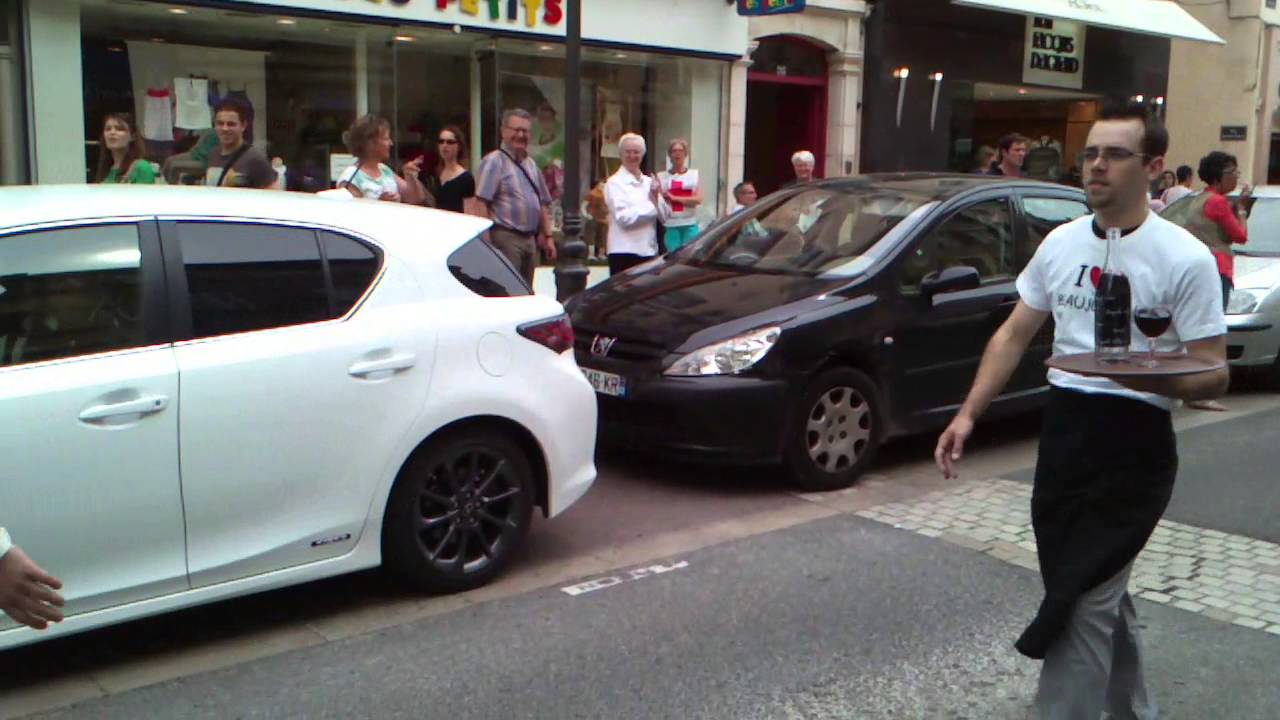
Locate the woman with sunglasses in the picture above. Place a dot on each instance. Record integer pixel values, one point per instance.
(451, 183)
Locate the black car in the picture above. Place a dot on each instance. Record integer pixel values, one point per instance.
(816, 324)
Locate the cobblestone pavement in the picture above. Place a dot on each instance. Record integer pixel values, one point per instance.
(1226, 577)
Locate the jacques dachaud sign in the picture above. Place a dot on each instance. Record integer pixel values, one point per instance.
(1055, 53)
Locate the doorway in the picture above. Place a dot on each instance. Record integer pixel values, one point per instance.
(786, 110)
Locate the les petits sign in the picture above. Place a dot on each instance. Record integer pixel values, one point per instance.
(1054, 53)
(532, 12)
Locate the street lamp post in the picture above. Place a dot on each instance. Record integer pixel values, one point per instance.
(571, 266)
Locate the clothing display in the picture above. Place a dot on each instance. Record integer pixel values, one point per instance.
(157, 116)
(192, 95)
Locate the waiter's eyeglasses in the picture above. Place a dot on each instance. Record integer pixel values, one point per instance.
(1109, 153)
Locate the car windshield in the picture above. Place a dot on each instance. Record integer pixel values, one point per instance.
(1264, 213)
(1264, 219)
(815, 231)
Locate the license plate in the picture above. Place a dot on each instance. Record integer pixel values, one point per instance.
(606, 383)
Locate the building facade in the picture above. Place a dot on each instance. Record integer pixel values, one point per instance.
(943, 79)
(866, 86)
(308, 68)
(1227, 97)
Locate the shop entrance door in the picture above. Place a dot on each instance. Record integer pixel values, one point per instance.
(786, 110)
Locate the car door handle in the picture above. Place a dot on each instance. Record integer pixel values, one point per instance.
(139, 406)
(391, 363)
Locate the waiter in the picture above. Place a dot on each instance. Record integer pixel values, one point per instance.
(1108, 455)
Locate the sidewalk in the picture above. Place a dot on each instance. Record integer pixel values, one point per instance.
(544, 279)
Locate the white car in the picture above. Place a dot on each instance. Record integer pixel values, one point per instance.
(1253, 310)
(206, 393)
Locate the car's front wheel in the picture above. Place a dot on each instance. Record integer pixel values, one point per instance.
(458, 511)
(835, 431)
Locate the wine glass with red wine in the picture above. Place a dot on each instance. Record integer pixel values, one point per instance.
(1153, 322)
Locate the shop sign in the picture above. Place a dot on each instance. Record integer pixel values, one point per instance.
(1233, 133)
(752, 8)
(532, 12)
(705, 26)
(529, 15)
(1054, 53)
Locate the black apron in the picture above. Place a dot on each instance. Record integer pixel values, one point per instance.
(1103, 479)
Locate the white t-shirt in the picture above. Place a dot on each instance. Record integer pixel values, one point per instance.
(1165, 265)
(370, 188)
(685, 183)
(1175, 193)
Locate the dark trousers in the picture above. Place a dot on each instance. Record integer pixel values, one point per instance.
(1104, 476)
(1227, 287)
(622, 262)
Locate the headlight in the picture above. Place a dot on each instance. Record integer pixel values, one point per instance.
(729, 356)
(1243, 302)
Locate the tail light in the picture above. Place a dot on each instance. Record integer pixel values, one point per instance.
(555, 334)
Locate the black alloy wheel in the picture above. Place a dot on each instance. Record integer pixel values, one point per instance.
(458, 511)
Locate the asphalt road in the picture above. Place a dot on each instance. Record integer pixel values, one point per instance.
(837, 618)
(1228, 477)
(720, 595)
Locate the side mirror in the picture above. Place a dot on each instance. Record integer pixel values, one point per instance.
(953, 279)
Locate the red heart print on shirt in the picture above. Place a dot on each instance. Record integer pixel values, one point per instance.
(1095, 274)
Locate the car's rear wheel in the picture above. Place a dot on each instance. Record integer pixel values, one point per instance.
(835, 432)
(458, 511)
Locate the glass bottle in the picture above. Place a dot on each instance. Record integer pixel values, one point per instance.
(1113, 307)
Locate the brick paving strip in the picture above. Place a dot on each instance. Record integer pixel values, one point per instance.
(1230, 578)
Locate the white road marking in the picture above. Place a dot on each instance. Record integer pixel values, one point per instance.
(608, 581)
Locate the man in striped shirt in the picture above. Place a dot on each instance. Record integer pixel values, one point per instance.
(516, 198)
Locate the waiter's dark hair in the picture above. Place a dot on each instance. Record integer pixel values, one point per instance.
(1184, 173)
(1155, 138)
(1214, 166)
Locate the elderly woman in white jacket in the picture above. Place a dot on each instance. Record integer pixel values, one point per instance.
(635, 206)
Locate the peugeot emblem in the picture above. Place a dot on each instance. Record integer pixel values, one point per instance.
(601, 345)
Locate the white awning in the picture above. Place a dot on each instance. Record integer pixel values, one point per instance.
(1149, 17)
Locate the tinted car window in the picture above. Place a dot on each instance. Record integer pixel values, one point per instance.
(807, 233)
(1264, 217)
(352, 268)
(479, 267)
(979, 236)
(1043, 215)
(68, 292)
(245, 277)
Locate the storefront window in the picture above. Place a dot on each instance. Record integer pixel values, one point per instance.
(12, 137)
(302, 82)
(1055, 122)
(660, 97)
